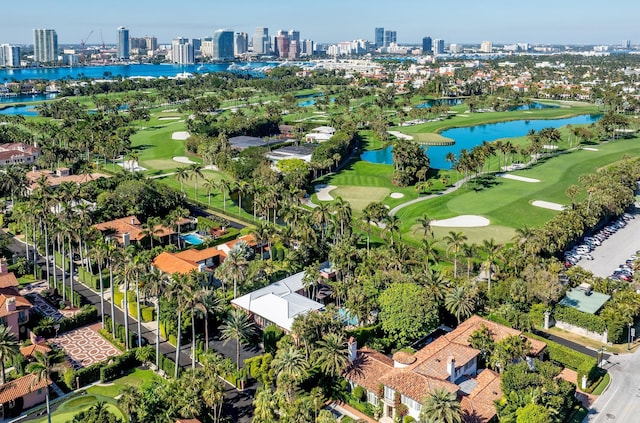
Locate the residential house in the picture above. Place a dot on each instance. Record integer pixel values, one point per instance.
(14, 308)
(54, 179)
(21, 394)
(18, 153)
(127, 230)
(320, 134)
(449, 363)
(279, 303)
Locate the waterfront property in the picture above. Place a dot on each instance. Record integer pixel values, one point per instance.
(127, 230)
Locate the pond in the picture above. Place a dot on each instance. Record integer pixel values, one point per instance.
(19, 110)
(533, 106)
(471, 136)
(447, 101)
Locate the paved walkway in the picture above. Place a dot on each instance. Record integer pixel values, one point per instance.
(85, 346)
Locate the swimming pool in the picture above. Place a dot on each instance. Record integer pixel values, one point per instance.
(192, 238)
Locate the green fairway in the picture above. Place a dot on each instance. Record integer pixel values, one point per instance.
(360, 196)
(507, 203)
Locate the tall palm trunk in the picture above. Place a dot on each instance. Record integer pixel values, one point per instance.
(71, 273)
(46, 397)
(158, 332)
(64, 274)
(175, 372)
(35, 253)
(125, 306)
(46, 253)
(26, 239)
(193, 339)
(138, 310)
(113, 311)
(101, 295)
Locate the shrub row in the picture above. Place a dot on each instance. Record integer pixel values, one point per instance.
(574, 360)
(93, 281)
(120, 365)
(57, 284)
(364, 335)
(575, 317)
(168, 366)
(88, 314)
(120, 332)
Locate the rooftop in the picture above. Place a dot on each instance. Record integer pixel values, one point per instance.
(20, 387)
(579, 300)
(242, 142)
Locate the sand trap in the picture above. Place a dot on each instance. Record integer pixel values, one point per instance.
(548, 205)
(464, 221)
(132, 166)
(169, 118)
(517, 178)
(396, 195)
(590, 149)
(514, 166)
(550, 147)
(323, 192)
(169, 110)
(401, 136)
(180, 135)
(183, 159)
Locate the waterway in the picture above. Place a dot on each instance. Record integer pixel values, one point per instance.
(471, 136)
(129, 71)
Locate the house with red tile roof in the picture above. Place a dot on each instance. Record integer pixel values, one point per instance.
(449, 363)
(18, 153)
(21, 394)
(63, 174)
(127, 230)
(14, 308)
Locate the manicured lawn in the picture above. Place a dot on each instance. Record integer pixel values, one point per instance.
(65, 412)
(602, 385)
(139, 378)
(507, 203)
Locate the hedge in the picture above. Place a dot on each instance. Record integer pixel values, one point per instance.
(77, 298)
(88, 375)
(88, 314)
(365, 334)
(148, 313)
(168, 366)
(93, 281)
(582, 363)
(575, 317)
(270, 337)
(120, 365)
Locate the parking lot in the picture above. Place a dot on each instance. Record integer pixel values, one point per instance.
(615, 250)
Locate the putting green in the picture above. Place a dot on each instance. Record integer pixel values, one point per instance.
(359, 197)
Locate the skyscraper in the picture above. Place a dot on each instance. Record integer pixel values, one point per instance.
(152, 43)
(390, 37)
(45, 45)
(438, 46)
(486, 47)
(379, 37)
(427, 45)
(240, 43)
(123, 43)
(281, 42)
(182, 51)
(261, 41)
(222, 45)
(9, 55)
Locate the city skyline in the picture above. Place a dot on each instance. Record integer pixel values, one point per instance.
(546, 22)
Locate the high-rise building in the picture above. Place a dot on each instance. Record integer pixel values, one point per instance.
(281, 44)
(626, 44)
(182, 51)
(390, 37)
(152, 43)
(486, 47)
(222, 45)
(137, 43)
(240, 43)
(9, 56)
(379, 37)
(123, 43)
(261, 41)
(294, 35)
(427, 45)
(307, 47)
(45, 45)
(438, 46)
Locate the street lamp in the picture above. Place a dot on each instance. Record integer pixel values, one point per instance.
(629, 337)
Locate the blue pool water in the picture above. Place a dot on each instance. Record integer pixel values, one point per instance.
(19, 110)
(469, 137)
(192, 238)
(347, 318)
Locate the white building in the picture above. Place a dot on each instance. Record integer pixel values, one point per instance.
(45, 45)
(9, 56)
(182, 51)
(486, 47)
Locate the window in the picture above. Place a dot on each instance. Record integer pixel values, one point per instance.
(39, 391)
(388, 393)
(372, 398)
(468, 365)
(409, 402)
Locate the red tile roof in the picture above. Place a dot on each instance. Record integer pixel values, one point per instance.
(8, 280)
(432, 359)
(20, 387)
(30, 350)
(21, 302)
(479, 404)
(170, 263)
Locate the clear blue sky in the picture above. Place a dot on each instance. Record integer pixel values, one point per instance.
(457, 21)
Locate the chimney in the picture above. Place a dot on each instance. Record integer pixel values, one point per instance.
(3, 265)
(201, 267)
(133, 220)
(451, 368)
(126, 238)
(353, 349)
(11, 304)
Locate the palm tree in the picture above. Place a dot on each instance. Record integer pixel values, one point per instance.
(237, 326)
(9, 348)
(455, 241)
(425, 225)
(392, 227)
(441, 406)
(155, 286)
(342, 210)
(195, 170)
(224, 186)
(209, 184)
(460, 301)
(129, 400)
(100, 253)
(182, 174)
(291, 362)
(331, 354)
(176, 291)
(207, 302)
(233, 267)
(113, 255)
(41, 367)
(493, 252)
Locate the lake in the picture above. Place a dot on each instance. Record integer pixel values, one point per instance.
(471, 136)
(19, 110)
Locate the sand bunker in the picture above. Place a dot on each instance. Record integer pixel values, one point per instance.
(401, 136)
(550, 147)
(396, 195)
(180, 135)
(183, 159)
(322, 192)
(518, 178)
(464, 221)
(169, 118)
(548, 205)
(590, 149)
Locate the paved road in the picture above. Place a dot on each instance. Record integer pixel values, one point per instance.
(569, 344)
(615, 250)
(621, 401)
